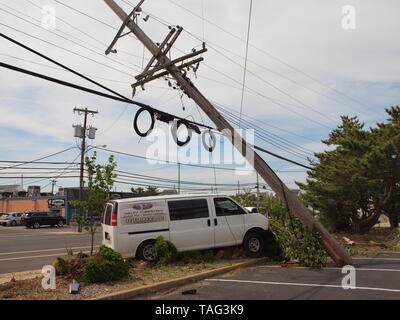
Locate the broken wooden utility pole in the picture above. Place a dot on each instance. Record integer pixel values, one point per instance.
(295, 206)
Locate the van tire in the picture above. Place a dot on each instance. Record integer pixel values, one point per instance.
(254, 243)
(147, 251)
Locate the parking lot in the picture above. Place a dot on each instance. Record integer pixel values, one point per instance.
(23, 249)
(377, 277)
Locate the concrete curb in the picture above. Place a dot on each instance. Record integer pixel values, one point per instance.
(152, 288)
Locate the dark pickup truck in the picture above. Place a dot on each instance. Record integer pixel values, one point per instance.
(42, 218)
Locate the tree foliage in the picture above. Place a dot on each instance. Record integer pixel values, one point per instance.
(148, 191)
(358, 179)
(100, 181)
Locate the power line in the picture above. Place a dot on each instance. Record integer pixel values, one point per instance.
(245, 62)
(83, 32)
(115, 98)
(267, 134)
(67, 50)
(121, 97)
(104, 95)
(266, 53)
(72, 41)
(258, 93)
(42, 158)
(36, 162)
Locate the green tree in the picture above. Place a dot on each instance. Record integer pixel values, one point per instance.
(382, 164)
(149, 191)
(100, 181)
(357, 180)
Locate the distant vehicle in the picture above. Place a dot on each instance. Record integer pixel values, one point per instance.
(190, 222)
(10, 219)
(252, 209)
(41, 218)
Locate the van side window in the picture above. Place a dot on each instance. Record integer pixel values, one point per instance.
(226, 207)
(188, 209)
(107, 214)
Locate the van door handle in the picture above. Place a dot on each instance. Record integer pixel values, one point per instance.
(209, 222)
(215, 221)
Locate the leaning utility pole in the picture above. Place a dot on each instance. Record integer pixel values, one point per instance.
(82, 134)
(159, 53)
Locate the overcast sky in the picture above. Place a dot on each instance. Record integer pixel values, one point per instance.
(305, 70)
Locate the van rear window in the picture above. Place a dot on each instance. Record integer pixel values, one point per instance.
(107, 214)
(188, 209)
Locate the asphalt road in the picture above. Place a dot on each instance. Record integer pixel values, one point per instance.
(23, 249)
(377, 277)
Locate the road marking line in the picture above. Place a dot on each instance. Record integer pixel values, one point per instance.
(42, 256)
(45, 250)
(301, 284)
(332, 268)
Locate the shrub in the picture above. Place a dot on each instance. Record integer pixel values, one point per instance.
(196, 256)
(106, 265)
(61, 266)
(208, 256)
(109, 266)
(295, 239)
(166, 251)
(394, 243)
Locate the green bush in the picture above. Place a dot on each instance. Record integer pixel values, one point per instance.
(166, 251)
(295, 239)
(108, 265)
(61, 266)
(395, 241)
(196, 256)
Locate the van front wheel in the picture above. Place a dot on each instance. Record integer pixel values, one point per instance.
(254, 243)
(147, 251)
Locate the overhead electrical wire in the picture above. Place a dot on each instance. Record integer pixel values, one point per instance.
(56, 80)
(42, 158)
(267, 53)
(67, 50)
(285, 105)
(114, 98)
(265, 138)
(83, 32)
(74, 42)
(258, 93)
(245, 62)
(269, 136)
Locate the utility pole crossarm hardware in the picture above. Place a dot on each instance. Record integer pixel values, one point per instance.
(113, 43)
(295, 206)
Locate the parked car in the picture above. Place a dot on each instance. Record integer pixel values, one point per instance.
(10, 219)
(252, 209)
(41, 218)
(190, 222)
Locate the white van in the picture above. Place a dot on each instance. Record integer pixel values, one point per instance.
(190, 222)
